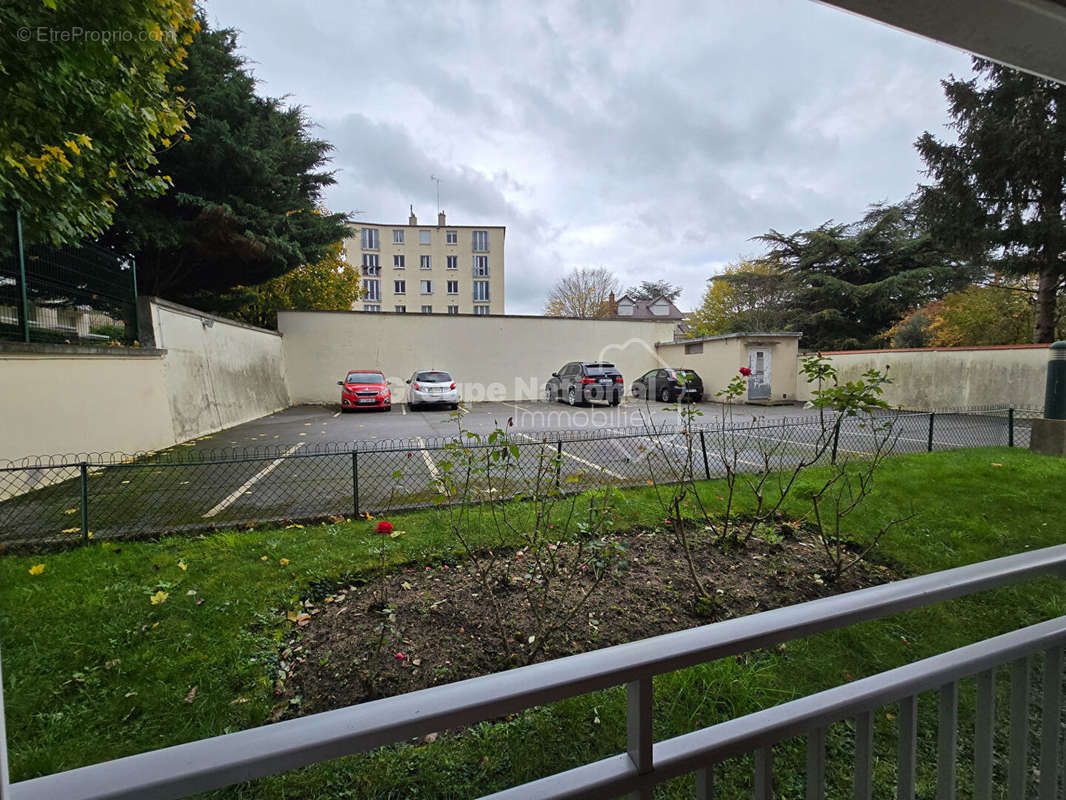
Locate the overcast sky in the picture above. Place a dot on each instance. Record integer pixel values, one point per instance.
(652, 137)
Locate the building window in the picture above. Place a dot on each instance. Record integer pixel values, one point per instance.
(423, 237)
(451, 237)
(370, 239)
(399, 287)
(481, 290)
(426, 287)
(481, 311)
(371, 264)
(694, 349)
(481, 266)
(453, 287)
(370, 307)
(372, 290)
(481, 241)
(453, 309)
(401, 309)
(398, 262)
(427, 309)
(397, 236)
(425, 262)
(453, 262)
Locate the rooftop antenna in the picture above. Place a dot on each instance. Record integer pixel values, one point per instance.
(437, 181)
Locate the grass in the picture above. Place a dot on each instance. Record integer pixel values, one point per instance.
(94, 670)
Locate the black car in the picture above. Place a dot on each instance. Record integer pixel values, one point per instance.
(669, 385)
(582, 381)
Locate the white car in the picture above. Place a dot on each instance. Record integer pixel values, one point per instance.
(432, 387)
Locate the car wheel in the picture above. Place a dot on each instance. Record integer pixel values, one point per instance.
(636, 391)
(387, 408)
(664, 395)
(571, 396)
(549, 395)
(616, 400)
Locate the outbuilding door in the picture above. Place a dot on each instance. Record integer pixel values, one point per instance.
(759, 380)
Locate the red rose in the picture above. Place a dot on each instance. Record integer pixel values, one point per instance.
(745, 371)
(383, 527)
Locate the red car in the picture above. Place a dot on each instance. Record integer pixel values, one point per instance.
(365, 388)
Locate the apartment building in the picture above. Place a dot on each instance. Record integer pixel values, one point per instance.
(429, 269)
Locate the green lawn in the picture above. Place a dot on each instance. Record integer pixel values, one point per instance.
(95, 670)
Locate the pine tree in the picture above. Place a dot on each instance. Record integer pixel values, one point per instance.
(999, 192)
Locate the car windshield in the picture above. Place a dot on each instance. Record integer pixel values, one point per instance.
(365, 377)
(433, 377)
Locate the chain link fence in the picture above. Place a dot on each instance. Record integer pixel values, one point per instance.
(76, 294)
(62, 501)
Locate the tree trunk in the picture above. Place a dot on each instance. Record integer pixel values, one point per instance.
(1046, 297)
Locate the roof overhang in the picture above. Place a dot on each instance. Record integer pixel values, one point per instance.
(1027, 34)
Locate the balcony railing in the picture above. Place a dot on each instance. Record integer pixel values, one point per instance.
(224, 760)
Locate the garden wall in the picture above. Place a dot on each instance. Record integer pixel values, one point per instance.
(951, 377)
(218, 372)
(497, 358)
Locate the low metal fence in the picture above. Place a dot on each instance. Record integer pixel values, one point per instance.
(999, 765)
(58, 501)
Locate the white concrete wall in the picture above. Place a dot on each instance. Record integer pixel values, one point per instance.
(933, 378)
(218, 373)
(492, 358)
(81, 402)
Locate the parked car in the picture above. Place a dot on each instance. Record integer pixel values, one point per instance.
(365, 388)
(582, 381)
(432, 387)
(669, 385)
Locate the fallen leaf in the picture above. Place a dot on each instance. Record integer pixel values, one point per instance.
(191, 695)
(284, 562)
(72, 530)
(159, 597)
(88, 534)
(394, 534)
(995, 464)
(130, 694)
(182, 567)
(114, 662)
(298, 527)
(36, 569)
(405, 585)
(430, 738)
(71, 511)
(263, 558)
(238, 701)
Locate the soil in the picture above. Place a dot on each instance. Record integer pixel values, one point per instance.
(439, 625)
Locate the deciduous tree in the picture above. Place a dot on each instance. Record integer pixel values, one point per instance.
(89, 102)
(331, 284)
(750, 295)
(583, 293)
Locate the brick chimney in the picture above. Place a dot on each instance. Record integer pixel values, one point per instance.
(440, 219)
(612, 305)
(412, 220)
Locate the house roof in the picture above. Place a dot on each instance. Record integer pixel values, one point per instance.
(642, 308)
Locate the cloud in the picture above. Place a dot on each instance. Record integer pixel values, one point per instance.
(651, 138)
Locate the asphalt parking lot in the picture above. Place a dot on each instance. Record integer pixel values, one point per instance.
(311, 462)
(311, 426)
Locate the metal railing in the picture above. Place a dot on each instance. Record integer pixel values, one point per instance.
(56, 501)
(232, 758)
(74, 294)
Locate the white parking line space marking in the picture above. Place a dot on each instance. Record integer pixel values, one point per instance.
(806, 444)
(252, 481)
(712, 453)
(430, 465)
(579, 459)
(337, 414)
(403, 409)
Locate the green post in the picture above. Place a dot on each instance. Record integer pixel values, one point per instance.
(1055, 389)
(1010, 427)
(703, 447)
(24, 301)
(558, 463)
(84, 503)
(932, 416)
(355, 481)
(136, 306)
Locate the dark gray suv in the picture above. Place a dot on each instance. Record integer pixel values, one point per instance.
(583, 381)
